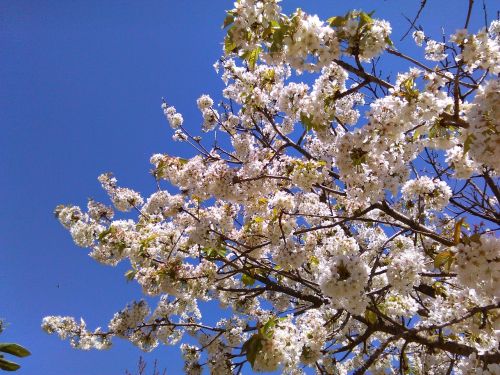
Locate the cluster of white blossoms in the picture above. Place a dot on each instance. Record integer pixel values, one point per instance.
(405, 265)
(344, 282)
(346, 223)
(278, 346)
(480, 50)
(174, 118)
(435, 51)
(463, 166)
(473, 366)
(433, 194)
(210, 115)
(82, 227)
(366, 37)
(309, 36)
(128, 318)
(478, 266)
(418, 37)
(483, 135)
(301, 40)
(67, 328)
(124, 199)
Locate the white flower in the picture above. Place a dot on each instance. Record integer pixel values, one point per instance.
(434, 51)
(483, 136)
(419, 37)
(478, 267)
(129, 318)
(204, 102)
(435, 193)
(83, 233)
(174, 119)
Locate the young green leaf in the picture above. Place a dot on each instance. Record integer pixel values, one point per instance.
(445, 257)
(336, 21)
(8, 365)
(468, 142)
(229, 45)
(253, 57)
(252, 347)
(458, 231)
(228, 20)
(247, 280)
(370, 316)
(364, 19)
(307, 122)
(130, 274)
(14, 349)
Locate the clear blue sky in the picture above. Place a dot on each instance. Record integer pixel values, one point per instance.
(80, 90)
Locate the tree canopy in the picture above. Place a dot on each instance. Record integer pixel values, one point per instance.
(344, 220)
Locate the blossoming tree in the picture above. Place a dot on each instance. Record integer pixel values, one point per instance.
(347, 222)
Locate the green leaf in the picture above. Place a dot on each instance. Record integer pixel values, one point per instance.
(130, 274)
(433, 131)
(458, 231)
(14, 349)
(307, 122)
(8, 365)
(389, 41)
(408, 89)
(146, 242)
(267, 330)
(214, 252)
(304, 119)
(468, 142)
(252, 57)
(104, 233)
(268, 31)
(330, 100)
(365, 19)
(313, 261)
(444, 257)
(228, 20)
(262, 200)
(275, 24)
(247, 280)
(280, 31)
(252, 347)
(370, 316)
(358, 156)
(336, 21)
(269, 75)
(157, 172)
(229, 45)
(439, 289)
(476, 237)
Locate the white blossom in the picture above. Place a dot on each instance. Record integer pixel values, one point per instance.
(419, 37)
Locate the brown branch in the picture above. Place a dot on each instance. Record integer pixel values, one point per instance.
(439, 343)
(469, 12)
(384, 207)
(363, 74)
(422, 5)
(426, 68)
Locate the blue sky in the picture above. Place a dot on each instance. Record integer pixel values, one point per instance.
(81, 84)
